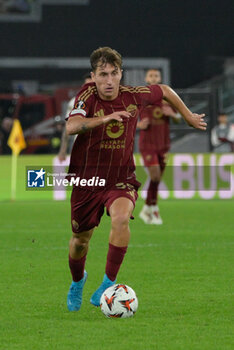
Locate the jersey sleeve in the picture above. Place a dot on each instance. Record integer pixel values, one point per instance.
(82, 101)
(148, 95)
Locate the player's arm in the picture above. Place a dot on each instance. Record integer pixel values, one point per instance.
(63, 147)
(193, 119)
(230, 136)
(79, 125)
(214, 139)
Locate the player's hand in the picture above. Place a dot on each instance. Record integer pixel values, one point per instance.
(197, 121)
(143, 124)
(61, 157)
(118, 116)
(223, 139)
(168, 111)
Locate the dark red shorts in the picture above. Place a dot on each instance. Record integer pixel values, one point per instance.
(87, 207)
(154, 158)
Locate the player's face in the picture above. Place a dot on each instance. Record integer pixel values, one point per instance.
(107, 79)
(222, 119)
(153, 77)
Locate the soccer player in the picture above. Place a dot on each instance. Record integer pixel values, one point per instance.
(62, 160)
(154, 143)
(65, 139)
(105, 118)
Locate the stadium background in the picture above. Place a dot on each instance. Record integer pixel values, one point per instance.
(189, 300)
(198, 33)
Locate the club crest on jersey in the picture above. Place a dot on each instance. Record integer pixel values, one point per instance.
(157, 113)
(115, 129)
(79, 108)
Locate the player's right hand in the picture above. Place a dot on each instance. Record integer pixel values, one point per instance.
(118, 116)
(143, 124)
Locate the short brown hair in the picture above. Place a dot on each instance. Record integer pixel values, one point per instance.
(104, 55)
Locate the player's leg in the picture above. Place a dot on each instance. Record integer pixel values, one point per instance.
(147, 214)
(78, 249)
(120, 211)
(59, 192)
(86, 211)
(152, 194)
(156, 217)
(151, 161)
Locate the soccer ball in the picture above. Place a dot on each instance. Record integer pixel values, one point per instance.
(119, 301)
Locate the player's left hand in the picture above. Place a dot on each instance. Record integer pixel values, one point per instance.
(197, 121)
(168, 111)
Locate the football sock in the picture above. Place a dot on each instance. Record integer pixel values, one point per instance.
(115, 257)
(77, 268)
(152, 193)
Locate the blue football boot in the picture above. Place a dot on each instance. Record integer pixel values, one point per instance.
(74, 297)
(106, 283)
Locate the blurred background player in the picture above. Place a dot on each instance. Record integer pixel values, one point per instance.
(154, 143)
(222, 135)
(65, 138)
(62, 160)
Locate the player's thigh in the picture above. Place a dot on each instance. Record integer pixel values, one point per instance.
(86, 210)
(121, 209)
(150, 158)
(120, 202)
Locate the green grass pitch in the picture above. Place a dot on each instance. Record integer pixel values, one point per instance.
(182, 273)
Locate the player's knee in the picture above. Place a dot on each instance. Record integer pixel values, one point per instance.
(120, 220)
(79, 244)
(155, 177)
(155, 173)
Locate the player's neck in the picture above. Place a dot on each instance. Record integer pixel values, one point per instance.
(108, 98)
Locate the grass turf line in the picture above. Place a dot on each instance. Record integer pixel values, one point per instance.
(180, 271)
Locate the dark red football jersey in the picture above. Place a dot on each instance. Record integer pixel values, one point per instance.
(157, 136)
(107, 150)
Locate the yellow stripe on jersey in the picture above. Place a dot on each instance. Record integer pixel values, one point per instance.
(87, 93)
(137, 89)
(92, 91)
(87, 96)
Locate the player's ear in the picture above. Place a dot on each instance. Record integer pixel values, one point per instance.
(92, 76)
(147, 83)
(121, 71)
